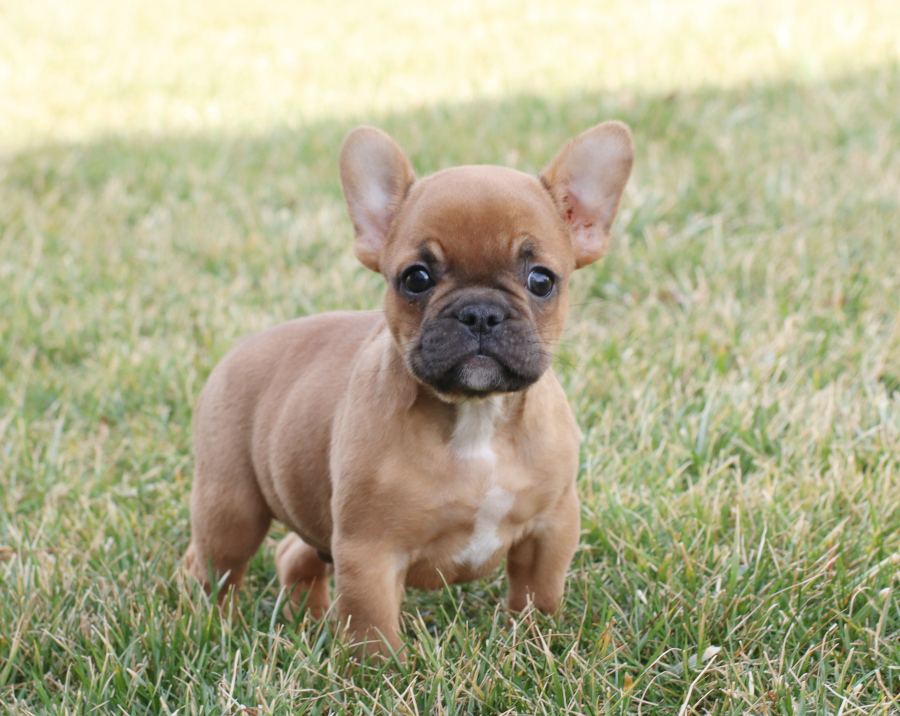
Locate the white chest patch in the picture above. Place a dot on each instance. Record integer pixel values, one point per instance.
(474, 430)
(485, 540)
(471, 442)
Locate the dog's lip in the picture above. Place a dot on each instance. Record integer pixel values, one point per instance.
(481, 357)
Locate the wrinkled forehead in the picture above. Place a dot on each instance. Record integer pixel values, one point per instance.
(484, 214)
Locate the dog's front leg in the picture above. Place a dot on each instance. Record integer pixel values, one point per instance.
(536, 567)
(369, 585)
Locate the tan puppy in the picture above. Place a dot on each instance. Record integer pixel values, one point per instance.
(422, 444)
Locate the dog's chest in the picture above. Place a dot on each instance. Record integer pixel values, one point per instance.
(472, 448)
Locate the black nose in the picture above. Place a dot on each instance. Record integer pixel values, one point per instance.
(480, 318)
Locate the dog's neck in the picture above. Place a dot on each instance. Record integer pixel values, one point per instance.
(476, 423)
(471, 421)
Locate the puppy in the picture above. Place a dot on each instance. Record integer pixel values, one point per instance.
(421, 444)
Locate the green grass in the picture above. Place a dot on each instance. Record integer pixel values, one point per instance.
(168, 183)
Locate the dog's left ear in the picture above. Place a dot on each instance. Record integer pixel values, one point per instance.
(587, 178)
(375, 176)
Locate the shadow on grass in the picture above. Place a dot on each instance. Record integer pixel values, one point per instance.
(709, 128)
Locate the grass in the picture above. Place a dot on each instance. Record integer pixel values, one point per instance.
(168, 184)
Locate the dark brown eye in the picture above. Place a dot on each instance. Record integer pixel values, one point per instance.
(416, 279)
(540, 282)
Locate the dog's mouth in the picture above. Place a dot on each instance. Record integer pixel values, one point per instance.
(481, 373)
(451, 363)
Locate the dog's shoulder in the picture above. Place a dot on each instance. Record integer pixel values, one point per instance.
(335, 330)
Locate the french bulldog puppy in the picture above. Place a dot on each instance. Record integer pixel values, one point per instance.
(421, 444)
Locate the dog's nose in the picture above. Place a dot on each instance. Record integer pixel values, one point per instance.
(480, 318)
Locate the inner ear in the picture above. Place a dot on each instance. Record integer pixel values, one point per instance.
(375, 176)
(586, 179)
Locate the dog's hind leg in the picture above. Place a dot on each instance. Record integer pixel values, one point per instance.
(303, 573)
(229, 520)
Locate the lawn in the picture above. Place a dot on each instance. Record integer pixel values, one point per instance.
(168, 184)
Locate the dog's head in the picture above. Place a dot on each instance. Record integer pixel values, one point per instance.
(478, 258)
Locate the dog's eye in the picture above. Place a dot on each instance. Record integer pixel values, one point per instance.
(540, 282)
(416, 279)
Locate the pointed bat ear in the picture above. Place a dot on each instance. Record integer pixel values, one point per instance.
(375, 176)
(587, 178)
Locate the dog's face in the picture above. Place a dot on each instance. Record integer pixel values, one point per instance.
(478, 258)
(477, 264)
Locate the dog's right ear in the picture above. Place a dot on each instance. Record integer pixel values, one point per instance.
(375, 175)
(587, 178)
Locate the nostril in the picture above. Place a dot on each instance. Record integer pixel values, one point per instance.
(468, 318)
(481, 318)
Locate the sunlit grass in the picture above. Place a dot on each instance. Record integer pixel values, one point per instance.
(74, 70)
(169, 184)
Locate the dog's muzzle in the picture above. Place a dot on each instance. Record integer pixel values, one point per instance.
(476, 347)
